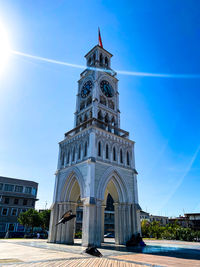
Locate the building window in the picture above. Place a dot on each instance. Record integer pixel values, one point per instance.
(106, 61)
(114, 154)
(1, 186)
(107, 151)
(82, 105)
(101, 59)
(79, 152)
(4, 211)
(121, 156)
(34, 190)
(11, 227)
(127, 158)
(2, 227)
(28, 190)
(14, 212)
(99, 149)
(73, 155)
(7, 200)
(89, 101)
(85, 149)
(18, 188)
(68, 154)
(103, 100)
(25, 201)
(9, 187)
(16, 201)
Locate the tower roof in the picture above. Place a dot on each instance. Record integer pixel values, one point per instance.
(99, 48)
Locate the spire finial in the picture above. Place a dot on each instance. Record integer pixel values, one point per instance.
(100, 41)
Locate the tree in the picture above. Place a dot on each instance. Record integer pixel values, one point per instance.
(30, 218)
(45, 217)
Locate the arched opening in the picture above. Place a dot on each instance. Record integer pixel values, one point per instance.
(114, 153)
(94, 58)
(89, 101)
(99, 149)
(127, 158)
(73, 155)
(110, 198)
(85, 149)
(89, 61)
(101, 60)
(107, 151)
(121, 156)
(79, 152)
(106, 61)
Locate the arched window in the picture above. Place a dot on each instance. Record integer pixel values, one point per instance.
(107, 151)
(63, 159)
(73, 154)
(101, 60)
(85, 149)
(106, 61)
(103, 100)
(121, 156)
(85, 117)
(111, 104)
(114, 153)
(89, 61)
(127, 158)
(79, 152)
(106, 118)
(94, 58)
(90, 114)
(68, 155)
(82, 105)
(99, 149)
(89, 101)
(100, 117)
(113, 121)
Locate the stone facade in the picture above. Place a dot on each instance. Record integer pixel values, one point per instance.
(96, 158)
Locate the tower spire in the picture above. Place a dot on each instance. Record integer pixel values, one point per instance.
(100, 41)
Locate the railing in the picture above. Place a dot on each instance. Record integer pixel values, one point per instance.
(100, 124)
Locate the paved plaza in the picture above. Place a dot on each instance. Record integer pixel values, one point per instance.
(32, 252)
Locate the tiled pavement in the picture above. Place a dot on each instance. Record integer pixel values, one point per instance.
(24, 252)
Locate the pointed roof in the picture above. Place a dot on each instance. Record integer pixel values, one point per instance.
(100, 48)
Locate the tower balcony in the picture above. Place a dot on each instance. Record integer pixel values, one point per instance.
(99, 124)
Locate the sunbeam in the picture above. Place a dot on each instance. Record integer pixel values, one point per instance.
(123, 72)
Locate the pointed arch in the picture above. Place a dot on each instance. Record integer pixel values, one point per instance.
(112, 174)
(73, 176)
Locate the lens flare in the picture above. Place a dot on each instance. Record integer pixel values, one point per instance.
(4, 48)
(123, 72)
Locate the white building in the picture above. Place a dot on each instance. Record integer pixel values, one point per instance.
(96, 158)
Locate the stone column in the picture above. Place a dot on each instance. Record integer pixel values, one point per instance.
(117, 224)
(102, 222)
(70, 225)
(59, 227)
(91, 228)
(52, 225)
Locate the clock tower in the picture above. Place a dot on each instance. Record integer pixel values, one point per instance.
(96, 159)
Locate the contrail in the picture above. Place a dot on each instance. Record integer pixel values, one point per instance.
(182, 177)
(123, 72)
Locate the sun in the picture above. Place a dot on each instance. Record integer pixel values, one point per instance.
(4, 48)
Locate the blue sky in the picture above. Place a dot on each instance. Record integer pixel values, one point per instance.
(37, 99)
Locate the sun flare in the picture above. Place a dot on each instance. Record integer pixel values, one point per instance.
(4, 48)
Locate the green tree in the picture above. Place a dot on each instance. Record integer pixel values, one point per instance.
(31, 218)
(45, 217)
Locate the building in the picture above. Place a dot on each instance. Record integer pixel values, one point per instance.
(144, 216)
(16, 196)
(163, 220)
(193, 220)
(96, 159)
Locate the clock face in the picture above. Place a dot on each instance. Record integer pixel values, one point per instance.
(106, 88)
(86, 89)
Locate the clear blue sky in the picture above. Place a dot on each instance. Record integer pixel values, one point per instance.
(37, 99)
